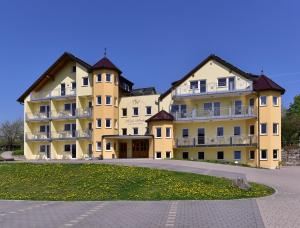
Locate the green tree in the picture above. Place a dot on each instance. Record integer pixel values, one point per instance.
(294, 108)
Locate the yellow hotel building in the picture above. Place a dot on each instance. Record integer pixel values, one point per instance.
(215, 112)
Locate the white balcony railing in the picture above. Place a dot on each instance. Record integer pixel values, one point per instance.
(216, 141)
(84, 113)
(37, 136)
(29, 116)
(216, 113)
(53, 94)
(58, 135)
(211, 88)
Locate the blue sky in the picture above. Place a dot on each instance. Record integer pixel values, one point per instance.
(152, 42)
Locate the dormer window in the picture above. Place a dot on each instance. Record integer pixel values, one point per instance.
(108, 77)
(194, 84)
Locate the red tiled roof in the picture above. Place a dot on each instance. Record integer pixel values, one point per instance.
(160, 116)
(105, 63)
(264, 83)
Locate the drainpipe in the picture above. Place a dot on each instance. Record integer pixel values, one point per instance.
(258, 130)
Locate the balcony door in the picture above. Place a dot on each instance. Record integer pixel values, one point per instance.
(63, 89)
(238, 107)
(73, 150)
(48, 151)
(202, 86)
(231, 84)
(201, 135)
(45, 110)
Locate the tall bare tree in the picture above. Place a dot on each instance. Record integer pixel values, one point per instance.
(12, 133)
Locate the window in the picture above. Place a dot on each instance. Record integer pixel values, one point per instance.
(158, 132)
(275, 154)
(99, 100)
(108, 77)
(108, 123)
(263, 101)
(275, 101)
(73, 69)
(275, 129)
(90, 126)
(220, 155)
(201, 155)
(73, 85)
(43, 128)
(194, 84)
(237, 131)
(99, 78)
(67, 148)
(124, 112)
(185, 155)
(237, 155)
(185, 133)
(85, 81)
(67, 127)
(251, 130)
(158, 154)
(251, 154)
(222, 82)
(168, 154)
(220, 131)
(263, 155)
(99, 146)
(108, 100)
(168, 132)
(263, 128)
(67, 107)
(135, 131)
(251, 102)
(99, 123)
(124, 131)
(108, 146)
(42, 148)
(135, 111)
(148, 110)
(42, 109)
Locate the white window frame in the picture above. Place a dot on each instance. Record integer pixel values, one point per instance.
(97, 101)
(156, 155)
(85, 77)
(217, 132)
(147, 114)
(97, 121)
(250, 155)
(187, 132)
(110, 146)
(263, 159)
(240, 130)
(109, 77)
(134, 129)
(108, 122)
(277, 99)
(43, 145)
(263, 105)
(275, 159)
(277, 124)
(161, 133)
(106, 96)
(260, 126)
(226, 82)
(170, 136)
(97, 146)
(97, 78)
(234, 155)
(133, 111)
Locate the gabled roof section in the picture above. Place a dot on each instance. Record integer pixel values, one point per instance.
(209, 58)
(65, 57)
(263, 83)
(105, 63)
(161, 116)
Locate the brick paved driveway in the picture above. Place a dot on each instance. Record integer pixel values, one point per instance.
(279, 210)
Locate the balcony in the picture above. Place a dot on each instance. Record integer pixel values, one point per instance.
(211, 90)
(224, 113)
(84, 134)
(84, 113)
(38, 137)
(67, 93)
(63, 115)
(64, 135)
(202, 141)
(38, 117)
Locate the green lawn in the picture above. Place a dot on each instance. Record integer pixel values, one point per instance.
(111, 182)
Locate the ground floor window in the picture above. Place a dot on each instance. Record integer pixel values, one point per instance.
(201, 155)
(220, 155)
(251, 154)
(237, 155)
(168, 154)
(275, 154)
(185, 155)
(158, 154)
(99, 146)
(42, 148)
(263, 155)
(67, 148)
(108, 146)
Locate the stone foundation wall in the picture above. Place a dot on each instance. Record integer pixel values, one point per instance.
(290, 156)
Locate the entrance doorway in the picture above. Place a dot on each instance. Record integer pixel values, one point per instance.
(140, 148)
(123, 150)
